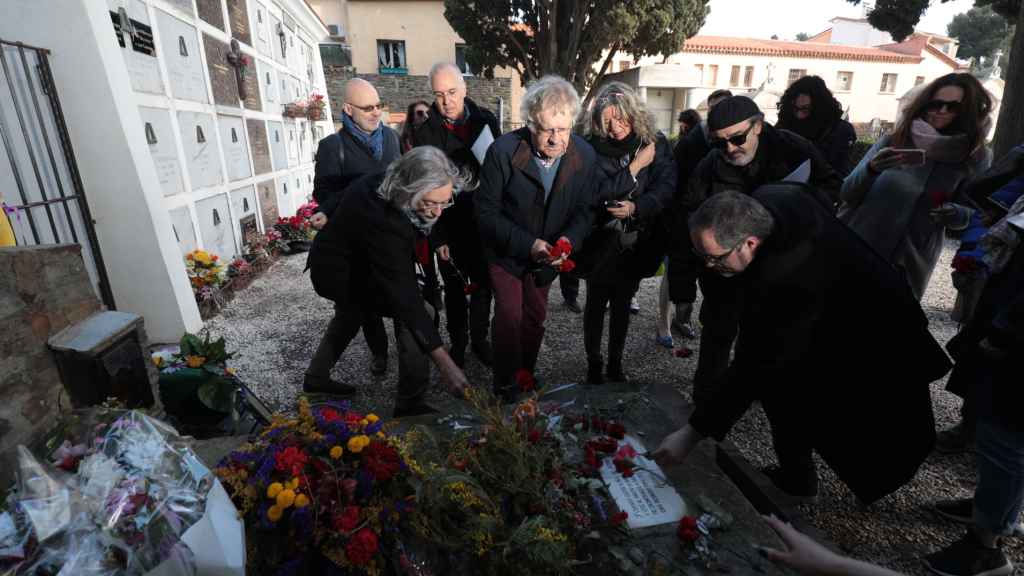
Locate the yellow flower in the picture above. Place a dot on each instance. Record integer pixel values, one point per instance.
(301, 501)
(195, 361)
(381, 434)
(285, 498)
(274, 513)
(336, 452)
(158, 361)
(292, 484)
(357, 443)
(371, 418)
(274, 489)
(364, 422)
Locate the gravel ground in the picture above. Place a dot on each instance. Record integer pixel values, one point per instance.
(275, 324)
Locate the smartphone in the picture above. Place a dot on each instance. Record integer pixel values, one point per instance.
(612, 203)
(912, 156)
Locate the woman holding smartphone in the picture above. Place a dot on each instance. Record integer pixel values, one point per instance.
(637, 178)
(905, 192)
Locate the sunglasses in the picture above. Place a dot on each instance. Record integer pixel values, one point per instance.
(736, 140)
(951, 106)
(421, 113)
(716, 260)
(368, 108)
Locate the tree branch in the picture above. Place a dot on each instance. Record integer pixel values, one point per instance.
(600, 75)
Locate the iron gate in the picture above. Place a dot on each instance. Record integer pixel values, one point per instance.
(50, 205)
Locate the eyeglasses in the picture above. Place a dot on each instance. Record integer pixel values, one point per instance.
(951, 106)
(421, 113)
(549, 131)
(447, 93)
(716, 260)
(368, 108)
(736, 139)
(429, 205)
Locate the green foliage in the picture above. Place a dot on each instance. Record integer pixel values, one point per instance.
(215, 352)
(980, 32)
(802, 37)
(567, 37)
(899, 17)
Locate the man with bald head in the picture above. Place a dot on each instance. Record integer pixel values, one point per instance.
(454, 125)
(364, 145)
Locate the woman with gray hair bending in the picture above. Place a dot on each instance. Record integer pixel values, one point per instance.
(363, 261)
(628, 239)
(532, 204)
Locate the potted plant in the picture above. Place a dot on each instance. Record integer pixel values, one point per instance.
(196, 386)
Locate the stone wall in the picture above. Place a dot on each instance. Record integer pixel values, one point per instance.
(43, 289)
(397, 92)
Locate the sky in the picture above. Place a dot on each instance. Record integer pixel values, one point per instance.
(787, 18)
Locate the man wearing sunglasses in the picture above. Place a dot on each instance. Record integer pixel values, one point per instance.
(364, 145)
(746, 153)
(454, 124)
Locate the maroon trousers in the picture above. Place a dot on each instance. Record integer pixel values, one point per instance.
(517, 330)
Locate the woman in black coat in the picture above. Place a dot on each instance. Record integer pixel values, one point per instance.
(809, 109)
(627, 242)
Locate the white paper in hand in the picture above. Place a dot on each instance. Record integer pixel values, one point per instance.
(802, 174)
(1017, 222)
(645, 496)
(483, 142)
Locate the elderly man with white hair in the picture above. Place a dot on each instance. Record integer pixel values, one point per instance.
(373, 255)
(536, 187)
(455, 124)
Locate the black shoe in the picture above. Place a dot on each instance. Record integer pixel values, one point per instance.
(379, 365)
(615, 373)
(573, 306)
(968, 557)
(594, 375)
(482, 351)
(805, 491)
(413, 408)
(332, 387)
(954, 440)
(960, 510)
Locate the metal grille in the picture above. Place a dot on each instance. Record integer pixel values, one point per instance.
(39, 182)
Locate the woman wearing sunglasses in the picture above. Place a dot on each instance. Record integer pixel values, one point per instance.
(416, 114)
(905, 192)
(628, 240)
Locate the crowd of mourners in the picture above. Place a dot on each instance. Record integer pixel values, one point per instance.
(811, 272)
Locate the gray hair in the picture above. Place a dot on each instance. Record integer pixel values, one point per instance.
(629, 106)
(442, 66)
(419, 171)
(549, 93)
(732, 217)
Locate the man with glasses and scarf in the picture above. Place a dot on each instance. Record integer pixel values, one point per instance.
(746, 153)
(363, 146)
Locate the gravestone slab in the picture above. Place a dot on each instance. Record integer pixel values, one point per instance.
(140, 55)
(180, 46)
(286, 204)
(278, 144)
(260, 147)
(211, 12)
(268, 83)
(252, 86)
(184, 229)
(233, 142)
(276, 28)
(183, 5)
(238, 17)
(215, 226)
(268, 203)
(222, 74)
(261, 28)
(160, 139)
(243, 203)
(199, 139)
(293, 143)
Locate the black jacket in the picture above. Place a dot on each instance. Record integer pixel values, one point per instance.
(510, 205)
(600, 258)
(831, 338)
(835, 145)
(366, 256)
(332, 177)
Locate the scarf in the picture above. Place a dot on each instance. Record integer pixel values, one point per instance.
(1002, 240)
(612, 148)
(372, 140)
(946, 148)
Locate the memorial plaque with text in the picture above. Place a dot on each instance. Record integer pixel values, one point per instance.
(215, 226)
(252, 86)
(184, 229)
(211, 13)
(199, 140)
(268, 203)
(222, 74)
(160, 138)
(261, 28)
(140, 55)
(180, 46)
(278, 145)
(236, 153)
(260, 147)
(238, 17)
(275, 40)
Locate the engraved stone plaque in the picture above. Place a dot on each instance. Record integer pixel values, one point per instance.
(160, 138)
(268, 203)
(275, 40)
(293, 143)
(184, 229)
(268, 84)
(238, 17)
(278, 144)
(215, 226)
(243, 203)
(260, 147)
(210, 12)
(199, 139)
(252, 86)
(222, 74)
(261, 28)
(183, 5)
(233, 141)
(180, 47)
(285, 197)
(140, 57)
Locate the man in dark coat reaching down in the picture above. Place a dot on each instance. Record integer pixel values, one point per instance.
(812, 294)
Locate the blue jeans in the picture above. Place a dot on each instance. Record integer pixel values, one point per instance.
(1000, 493)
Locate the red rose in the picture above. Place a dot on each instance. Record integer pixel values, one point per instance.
(330, 415)
(533, 437)
(616, 430)
(626, 452)
(618, 518)
(381, 460)
(347, 520)
(606, 445)
(362, 547)
(525, 380)
(622, 465)
(566, 266)
(688, 522)
(563, 246)
(688, 535)
(590, 457)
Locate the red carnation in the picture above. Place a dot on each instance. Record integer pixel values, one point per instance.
(347, 520)
(291, 459)
(362, 547)
(566, 266)
(618, 518)
(381, 460)
(525, 380)
(330, 415)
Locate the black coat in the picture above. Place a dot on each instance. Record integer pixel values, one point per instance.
(831, 338)
(341, 159)
(457, 227)
(835, 145)
(510, 205)
(601, 259)
(366, 256)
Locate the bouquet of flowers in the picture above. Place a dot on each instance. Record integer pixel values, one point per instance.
(196, 386)
(125, 499)
(315, 107)
(205, 272)
(325, 490)
(298, 228)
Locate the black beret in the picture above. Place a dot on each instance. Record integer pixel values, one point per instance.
(731, 111)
